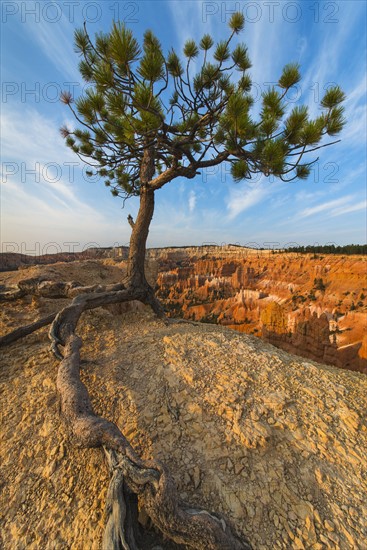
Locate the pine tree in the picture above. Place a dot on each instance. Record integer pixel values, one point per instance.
(146, 119)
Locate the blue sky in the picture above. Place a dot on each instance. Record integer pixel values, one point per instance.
(45, 197)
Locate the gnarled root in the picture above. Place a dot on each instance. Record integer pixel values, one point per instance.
(25, 330)
(133, 480)
(131, 477)
(49, 289)
(41, 286)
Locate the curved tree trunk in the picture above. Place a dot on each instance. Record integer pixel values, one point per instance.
(136, 278)
(135, 268)
(148, 480)
(133, 480)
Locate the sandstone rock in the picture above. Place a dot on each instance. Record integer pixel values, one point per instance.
(279, 485)
(329, 525)
(274, 296)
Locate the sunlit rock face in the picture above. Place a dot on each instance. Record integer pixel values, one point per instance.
(311, 305)
(274, 442)
(50, 254)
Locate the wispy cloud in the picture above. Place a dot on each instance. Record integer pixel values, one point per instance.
(192, 201)
(56, 41)
(356, 114)
(243, 196)
(332, 207)
(351, 208)
(31, 137)
(41, 185)
(191, 20)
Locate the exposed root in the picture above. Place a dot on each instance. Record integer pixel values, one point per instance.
(133, 480)
(119, 532)
(10, 295)
(41, 286)
(131, 477)
(25, 330)
(48, 289)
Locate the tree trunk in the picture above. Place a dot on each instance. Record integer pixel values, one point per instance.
(136, 279)
(135, 268)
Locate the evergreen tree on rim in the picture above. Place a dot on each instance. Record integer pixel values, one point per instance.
(146, 120)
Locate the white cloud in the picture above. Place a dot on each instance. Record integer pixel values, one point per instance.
(352, 208)
(243, 196)
(44, 198)
(303, 195)
(191, 20)
(329, 49)
(330, 207)
(30, 137)
(55, 37)
(192, 201)
(354, 132)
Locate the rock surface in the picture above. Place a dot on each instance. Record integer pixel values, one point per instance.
(275, 442)
(311, 305)
(320, 301)
(10, 261)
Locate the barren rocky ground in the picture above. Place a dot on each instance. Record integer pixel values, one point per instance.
(276, 442)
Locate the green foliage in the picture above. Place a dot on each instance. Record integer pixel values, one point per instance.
(191, 110)
(206, 42)
(240, 58)
(273, 157)
(290, 76)
(303, 171)
(174, 64)
(191, 49)
(123, 47)
(333, 97)
(311, 132)
(244, 84)
(272, 104)
(335, 121)
(294, 124)
(348, 249)
(239, 170)
(237, 22)
(152, 63)
(81, 42)
(222, 52)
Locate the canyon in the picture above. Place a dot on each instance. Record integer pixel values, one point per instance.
(308, 304)
(312, 305)
(275, 442)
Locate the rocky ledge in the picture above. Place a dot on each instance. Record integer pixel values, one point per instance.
(275, 442)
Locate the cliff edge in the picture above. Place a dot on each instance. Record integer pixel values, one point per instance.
(275, 442)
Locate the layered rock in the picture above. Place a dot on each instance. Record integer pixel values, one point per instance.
(322, 300)
(233, 286)
(10, 261)
(275, 442)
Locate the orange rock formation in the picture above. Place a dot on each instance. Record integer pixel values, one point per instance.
(311, 305)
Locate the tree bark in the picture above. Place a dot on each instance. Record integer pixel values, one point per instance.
(25, 330)
(136, 261)
(140, 229)
(136, 279)
(132, 478)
